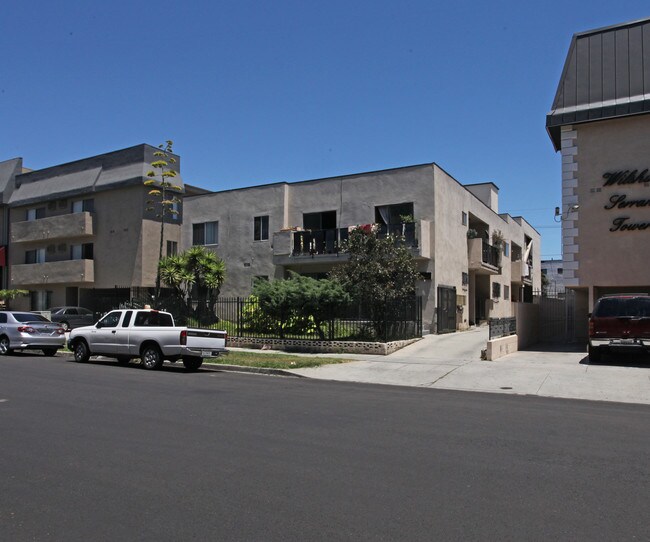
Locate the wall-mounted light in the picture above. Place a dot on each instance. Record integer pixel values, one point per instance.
(560, 217)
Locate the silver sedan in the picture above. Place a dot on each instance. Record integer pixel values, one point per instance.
(29, 331)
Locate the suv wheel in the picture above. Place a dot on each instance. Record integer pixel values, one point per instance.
(595, 353)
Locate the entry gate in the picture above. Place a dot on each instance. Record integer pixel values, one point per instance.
(446, 311)
(556, 316)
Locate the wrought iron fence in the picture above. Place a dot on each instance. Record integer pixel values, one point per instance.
(245, 317)
(502, 327)
(389, 321)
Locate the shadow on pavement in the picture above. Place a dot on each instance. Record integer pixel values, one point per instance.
(620, 360)
(570, 348)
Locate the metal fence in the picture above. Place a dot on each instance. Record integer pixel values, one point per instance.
(502, 327)
(389, 321)
(245, 317)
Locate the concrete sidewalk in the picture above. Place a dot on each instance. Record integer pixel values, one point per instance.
(453, 362)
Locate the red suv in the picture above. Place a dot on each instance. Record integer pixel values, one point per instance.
(620, 323)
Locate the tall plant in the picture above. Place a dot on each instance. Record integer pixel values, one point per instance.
(197, 269)
(163, 193)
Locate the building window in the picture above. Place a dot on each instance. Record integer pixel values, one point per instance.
(83, 206)
(496, 290)
(172, 248)
(464, 218)
(35, 256)
(40, 300)
(35, 214)
(261, 228)
(206, 233)
(398, 213)
(325, 220)
(560, 270)
(465, 280)
(506, 292)
(506, 249)
(544, 271)
(82, 252)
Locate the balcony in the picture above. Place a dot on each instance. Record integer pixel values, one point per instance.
(62, 272)
(521, 273)
(326, 246)
(483, 257)
(52, 228)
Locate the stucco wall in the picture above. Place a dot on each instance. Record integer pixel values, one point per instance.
(235, 211)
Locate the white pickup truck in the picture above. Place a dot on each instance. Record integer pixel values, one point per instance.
(146, 334)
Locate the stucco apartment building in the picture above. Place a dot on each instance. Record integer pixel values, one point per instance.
(599, 122)
(74, 227)
(263, 232)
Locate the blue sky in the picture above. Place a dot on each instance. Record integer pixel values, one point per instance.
(258, 91)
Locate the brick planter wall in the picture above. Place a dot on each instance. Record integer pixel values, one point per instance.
(329, 347)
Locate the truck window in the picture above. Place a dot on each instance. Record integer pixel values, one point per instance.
(153, 319)
(110, 320)
(127, 318)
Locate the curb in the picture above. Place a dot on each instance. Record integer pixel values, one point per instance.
(242, 369)
(230, 368)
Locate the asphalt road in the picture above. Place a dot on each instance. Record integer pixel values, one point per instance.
(102, 452)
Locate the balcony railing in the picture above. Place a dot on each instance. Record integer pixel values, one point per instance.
(53, 228)
(317, 242)
(61, 272)
(490, 254)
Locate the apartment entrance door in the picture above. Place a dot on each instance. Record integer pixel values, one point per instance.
(446, 309)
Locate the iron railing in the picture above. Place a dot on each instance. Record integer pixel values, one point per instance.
(388, 321)
(502, 327)
(490, 254)
(331, 241)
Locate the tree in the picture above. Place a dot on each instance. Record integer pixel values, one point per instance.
(8, 295)
(380, 270)
(196, 269)
(299, 303)
(163, 193)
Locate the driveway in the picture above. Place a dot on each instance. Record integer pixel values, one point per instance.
(453, 362)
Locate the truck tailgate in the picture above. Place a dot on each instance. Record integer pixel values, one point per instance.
(208, 339)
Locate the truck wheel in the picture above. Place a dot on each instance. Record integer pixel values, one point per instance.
(151, 357)
(4, 346)
(595, 354)
(81, 352)
(123, 360)
(192, 364)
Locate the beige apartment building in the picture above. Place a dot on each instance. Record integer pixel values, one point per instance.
(81, 226)
(262, 232)
(599, 123)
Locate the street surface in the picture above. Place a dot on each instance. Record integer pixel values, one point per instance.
(101, 452)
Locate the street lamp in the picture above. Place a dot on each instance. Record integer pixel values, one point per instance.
(561, 217)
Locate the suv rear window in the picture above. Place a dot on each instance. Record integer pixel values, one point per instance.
(612, 307)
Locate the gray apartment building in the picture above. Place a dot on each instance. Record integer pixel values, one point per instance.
(80, 226)
(263, 232)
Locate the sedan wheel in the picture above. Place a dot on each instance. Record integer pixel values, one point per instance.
(65, 326)
(151, 358)
(4, 346)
